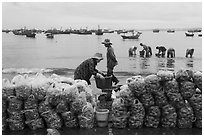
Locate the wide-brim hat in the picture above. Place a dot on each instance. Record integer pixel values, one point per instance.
(107, 41)
(98, 56)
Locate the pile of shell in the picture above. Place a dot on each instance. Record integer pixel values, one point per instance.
(41, 102)
(165, 99)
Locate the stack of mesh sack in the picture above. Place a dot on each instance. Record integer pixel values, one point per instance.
(119, 113)
(86, 118)
(137, 86)
(153, 86)
(22, 90)
(185, 116)
(136, 114)
(32, 116)
(168, 116)
(7, 90)
(152, 117)
(196, 103)
(171, 89)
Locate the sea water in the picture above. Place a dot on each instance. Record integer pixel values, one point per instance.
(66, 51)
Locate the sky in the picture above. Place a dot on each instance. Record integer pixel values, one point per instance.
(110, 15)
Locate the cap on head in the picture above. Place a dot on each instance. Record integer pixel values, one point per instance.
(98, 56)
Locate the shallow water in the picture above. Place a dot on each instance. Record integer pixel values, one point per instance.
(68, 51)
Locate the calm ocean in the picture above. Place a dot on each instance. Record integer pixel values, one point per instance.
(67, 51)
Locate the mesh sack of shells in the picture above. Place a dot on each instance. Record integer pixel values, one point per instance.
(7, 89)
(185, 116)
(198, 123)
(31, 114)
(51, 131)
(14, 104)
(154, 111)
(86, 118)
(69, 119)
(197, 79)
(184, 123)
(78, 103)
(16, 115)
(137, 86)
(137, 114)
(169, 121)
(4, 123)
(147, 99)
(187, 89)
(35, 124)
(52, 119)
(171, 86)
(119, 113)
(44, 106)
(4, 105)
(160, 99)
(53, 95)
(31, 102)
(196, 103)
(85, 122)
(152, 83)
(22, 85)
(151, 121)
(119, 122)
(182, 75)
(62, 107)
(175, 99)
(168, 116)
(88, 111)
(71, 93)
(165, 75)
(15, 125)
(39, 92)
(126, 94)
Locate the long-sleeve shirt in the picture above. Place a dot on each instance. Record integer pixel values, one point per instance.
(85, 70)
(111, 58)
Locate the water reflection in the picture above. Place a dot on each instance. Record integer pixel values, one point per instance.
(189, 63)
(170, 63)
(144, 63)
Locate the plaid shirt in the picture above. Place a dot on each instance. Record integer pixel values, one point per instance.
(85, 70)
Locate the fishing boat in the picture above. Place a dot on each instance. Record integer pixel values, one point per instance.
(50, 35)
(170, 31)
(133, 36)
(155, 30)
(189, 34)
(200, 34)
(30, 34)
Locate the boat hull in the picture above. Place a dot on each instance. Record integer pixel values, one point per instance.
(130, 37)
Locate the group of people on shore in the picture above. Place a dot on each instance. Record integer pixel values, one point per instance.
(147, 51)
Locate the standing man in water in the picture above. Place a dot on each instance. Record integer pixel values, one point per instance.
(88, 68)
(111, 60)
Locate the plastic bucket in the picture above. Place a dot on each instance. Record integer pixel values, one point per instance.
(102, 117)
(105, 83)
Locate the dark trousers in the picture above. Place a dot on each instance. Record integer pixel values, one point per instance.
(110, 73)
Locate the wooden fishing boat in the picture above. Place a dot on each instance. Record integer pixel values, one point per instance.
(170, 31)
(133, 36)
(156, 30)
(188, 34)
